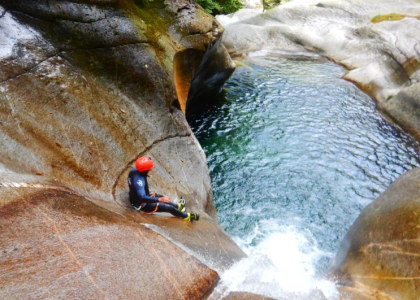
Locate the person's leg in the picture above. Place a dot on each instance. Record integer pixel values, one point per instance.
(135, 202)
(164, 207)
(172, 204)
(179, 206)
(171, 208)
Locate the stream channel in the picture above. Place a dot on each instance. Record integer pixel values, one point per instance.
(295, 153)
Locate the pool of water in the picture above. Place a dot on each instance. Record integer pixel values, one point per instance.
(295, 153)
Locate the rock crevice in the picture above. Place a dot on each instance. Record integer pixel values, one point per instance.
(130, 164)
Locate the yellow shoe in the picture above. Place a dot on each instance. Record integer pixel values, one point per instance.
(181, 204)
(192, 217)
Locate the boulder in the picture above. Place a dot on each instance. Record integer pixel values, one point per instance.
(405, 107)
(215, 68)
(57, 245)
(198, 85)
(380, 255)
(376, 40)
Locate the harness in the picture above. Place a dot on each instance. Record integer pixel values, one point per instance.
(143, 204)
(151, 212)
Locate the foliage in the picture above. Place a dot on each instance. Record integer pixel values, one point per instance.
(390, 17)
(216, 7)
(267, 4)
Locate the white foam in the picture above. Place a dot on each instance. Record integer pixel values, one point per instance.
(226, 19)
(240, 15)
(282, 266)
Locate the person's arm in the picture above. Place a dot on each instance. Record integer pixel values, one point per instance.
(164, 199)
(139, 185)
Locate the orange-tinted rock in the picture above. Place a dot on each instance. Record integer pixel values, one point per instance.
(381, 252)
(202, 239)
(58, 245)
(185, 67)
(361, 293)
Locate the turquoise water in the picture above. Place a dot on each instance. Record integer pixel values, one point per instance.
(295, 153)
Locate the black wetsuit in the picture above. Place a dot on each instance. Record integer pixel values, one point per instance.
(140, 196)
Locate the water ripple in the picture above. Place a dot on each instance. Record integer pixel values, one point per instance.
(294, 143)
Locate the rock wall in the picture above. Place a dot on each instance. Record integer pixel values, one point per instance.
(216, 67)
(85, 88)
(119, 103)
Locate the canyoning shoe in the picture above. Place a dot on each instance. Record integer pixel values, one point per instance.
(195, 217)
(192, 217)
(181, 204)
(136, 208)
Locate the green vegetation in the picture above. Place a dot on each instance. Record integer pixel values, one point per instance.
(390, 17)
(268, 4)
(216, 7)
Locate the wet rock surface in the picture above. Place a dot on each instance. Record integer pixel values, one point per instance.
(55, 244)
(380, 253)
(381, 51)
(85, 88)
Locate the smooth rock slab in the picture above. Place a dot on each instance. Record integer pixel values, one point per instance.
(57, 245)
(381, 251)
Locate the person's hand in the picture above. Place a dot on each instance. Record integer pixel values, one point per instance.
(165, 199)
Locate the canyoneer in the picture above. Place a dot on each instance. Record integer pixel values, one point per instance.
(144, 201)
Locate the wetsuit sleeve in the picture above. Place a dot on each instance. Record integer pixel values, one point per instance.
(139, 185)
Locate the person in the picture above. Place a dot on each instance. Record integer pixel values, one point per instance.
(144, 201)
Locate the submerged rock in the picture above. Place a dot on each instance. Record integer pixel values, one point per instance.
(85, 88)
(383, 57)
(380, 254)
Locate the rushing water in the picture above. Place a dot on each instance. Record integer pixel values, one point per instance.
(295, 153)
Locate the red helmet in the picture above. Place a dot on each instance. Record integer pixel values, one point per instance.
(144, 164)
